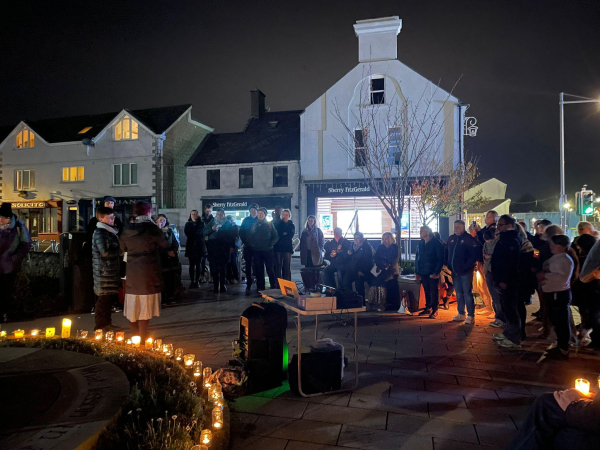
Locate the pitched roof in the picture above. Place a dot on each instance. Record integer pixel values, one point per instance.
(492, 204)
(67, 129)
(274, 136)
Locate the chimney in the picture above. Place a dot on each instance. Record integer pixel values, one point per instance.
(377, 38)
(257, 103)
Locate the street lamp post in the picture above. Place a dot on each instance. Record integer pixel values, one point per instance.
(563, 205)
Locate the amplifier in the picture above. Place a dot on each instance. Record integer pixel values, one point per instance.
(316, 303)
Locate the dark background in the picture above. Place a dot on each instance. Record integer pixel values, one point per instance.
(71, 58)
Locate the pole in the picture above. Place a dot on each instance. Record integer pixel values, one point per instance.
(563, 195)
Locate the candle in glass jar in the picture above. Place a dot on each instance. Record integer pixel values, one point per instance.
(128, 343)
(109, 336)
(97, 335)
(50, 332)
(136, 341)
(120, 336)
(178, 354)
(217, 418)
(35, 333)
(217, 392)
(158, 345)
(206, 375)
(149, 343)
(3, 333)
(582, 386)
(66, 328)
(83, 334)
(188, 360)
(220, 403)
(197, 369)
(168, 349)
(19, 333)
(206, 437)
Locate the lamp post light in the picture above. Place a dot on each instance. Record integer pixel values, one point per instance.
(563, 195)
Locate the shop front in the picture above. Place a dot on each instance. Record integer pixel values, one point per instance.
(43, 218)
(123, 208)
(237, 207)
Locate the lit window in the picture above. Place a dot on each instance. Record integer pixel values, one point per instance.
(395, 145)
(377, 90)
(24, 180)
(125, 174)
(359, 147)
(25, 139)
(72, 174)
(85, 130)
(126, 129)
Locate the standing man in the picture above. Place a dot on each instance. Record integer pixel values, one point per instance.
(15, 243)
(245, 228)
(262, 237)
(462, 256)
(276, 215)
(284, 248)
(491, 218)
(505, 270)
(106, 255)
(206, 218)
(428, 265)
(337, 252)
(107, 202)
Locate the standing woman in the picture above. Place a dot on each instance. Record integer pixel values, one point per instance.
(194, 248)
(312, 244)
(284, 248)
(142, 240)
(386, 259)
(221, 237)
(170, 264)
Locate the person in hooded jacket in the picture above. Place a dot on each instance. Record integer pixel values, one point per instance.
(170, 264)
(262, 237)
(429, 261)
(195, 247)
(15, 244)
(142, 240)
(248, 252)
(358, 268)
(221, 237)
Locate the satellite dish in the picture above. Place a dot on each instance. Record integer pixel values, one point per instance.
(89, 142)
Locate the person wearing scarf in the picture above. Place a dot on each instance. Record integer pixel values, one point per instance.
(312, 243)
(221, 237)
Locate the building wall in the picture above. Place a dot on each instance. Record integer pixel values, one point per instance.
(492, 189)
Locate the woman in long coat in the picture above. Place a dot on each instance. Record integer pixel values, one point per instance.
(142, 240)
(312, 243)
(195, 247)
(221, 236)
(170, 264)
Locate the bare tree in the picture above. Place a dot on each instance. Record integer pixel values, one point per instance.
(391, 141)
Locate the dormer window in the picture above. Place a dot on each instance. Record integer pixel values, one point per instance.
(25, 139)
(85, 130)
(126, 129)
(377, 90)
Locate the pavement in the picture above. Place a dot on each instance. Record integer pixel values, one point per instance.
(423, 384)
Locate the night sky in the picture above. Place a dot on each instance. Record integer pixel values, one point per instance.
(514, 57)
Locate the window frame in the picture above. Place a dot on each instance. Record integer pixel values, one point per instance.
(397, 145)
(18, 174)
(30, 138)
(287, 179)
(376, 92)
(120, 165)
(251, 169)
(359, 160)
(119, 129)
(77, 169)
(208, 185)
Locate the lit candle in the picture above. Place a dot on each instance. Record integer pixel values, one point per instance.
(206, 375)
(197, 370)
(19, 334)
(178, 354)
(120, 337)
(220, 403)
(66, 328)
(582, 386)
(128, 343)
(168, 349)
(109, 336)
(35, 333)
(211, 392)
(50, 332)
(217, 393)
(188, 360)
(199, 447)
(97, 335)
(2, 333)
(158, 345)
(136, 341)
(206, 437)
(149, 343)
(84, 334)
(217, 417)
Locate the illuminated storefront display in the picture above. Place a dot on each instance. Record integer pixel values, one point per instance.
(237, 207)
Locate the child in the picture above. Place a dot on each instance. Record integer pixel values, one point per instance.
(555, 281)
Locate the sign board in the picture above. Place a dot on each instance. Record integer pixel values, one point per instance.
(22, 205)
(233, 203)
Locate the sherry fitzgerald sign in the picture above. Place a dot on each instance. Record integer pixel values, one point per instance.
(348, 189)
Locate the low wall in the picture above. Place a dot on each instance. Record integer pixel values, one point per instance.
(42, 265)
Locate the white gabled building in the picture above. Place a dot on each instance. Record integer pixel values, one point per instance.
(333, 189)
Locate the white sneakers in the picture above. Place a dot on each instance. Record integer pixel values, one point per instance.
(470, 320)
(459, 318)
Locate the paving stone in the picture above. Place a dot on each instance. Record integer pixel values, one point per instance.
(371, 439)
(267, 425)
(282, 408)
(298, 445)
(494, 435)
(432, 427)
(329, 399)
(429, 397)
(446, 444)
(347, 416)
(249, 404)
(240, 418)
(439, 377)
(493, 385)
(244, 442)
(484, 366)
(396, 405)
(472, 416)
(309, 430)
(465, 391)
(462, 371)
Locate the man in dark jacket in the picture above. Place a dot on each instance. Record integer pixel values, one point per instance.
(561, 420)
(206, 218)
(262, 237)
(221, 236)
(463, 252)
(284, 248)
(107, 202)
(505, 270)
(491, 218)
(359, 265)
(15, 243)
(106, 256)
(429, 261)
(248, 253)
(337, 253)
(195, 247)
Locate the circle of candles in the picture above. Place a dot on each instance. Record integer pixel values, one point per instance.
(83, 334)
(582, 386)
(65, 332)
(168, 349)
(217, 418)
(149, 343)
(197, 369)
(136, 341)
(120, 336)
(206, 437)
(178, 354)
(158, 345)
(188, 360)
(35, 333)
(19, 333)
(97, 334)
(206, 373)
(109, 336)
(50, 332)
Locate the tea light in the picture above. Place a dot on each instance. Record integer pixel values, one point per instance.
(188, 360)
(217, 393)
(120, 336)
(50, 332)
(582, 386)
(168, 349)
(2, 333)
(206, 437)
(158, 345)
(206, 375)
(178, 354)
(217, 418)
(97, 335)
(66, 328)
(149, 344)
(19, 334)
(109, 336)
(128, 343)
(35, 333)
(211, 391)
(136, 341)
(197, 369)
(199, 447)
(220, 403)
(83, 334)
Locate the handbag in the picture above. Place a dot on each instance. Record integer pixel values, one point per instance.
(376, 298)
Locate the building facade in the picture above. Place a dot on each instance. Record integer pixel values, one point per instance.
(56, 171)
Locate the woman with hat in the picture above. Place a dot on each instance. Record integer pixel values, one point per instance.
(221, 237)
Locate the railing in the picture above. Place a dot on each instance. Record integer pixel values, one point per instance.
(52, 246)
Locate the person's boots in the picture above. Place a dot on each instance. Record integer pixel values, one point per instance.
(223, 287)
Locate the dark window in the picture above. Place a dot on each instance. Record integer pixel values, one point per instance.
(246, 179)
(213, 179)
(377, 91)
(395, 145)
(359, 148)
(280, 176)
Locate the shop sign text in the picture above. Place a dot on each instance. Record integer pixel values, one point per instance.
(348, 189)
